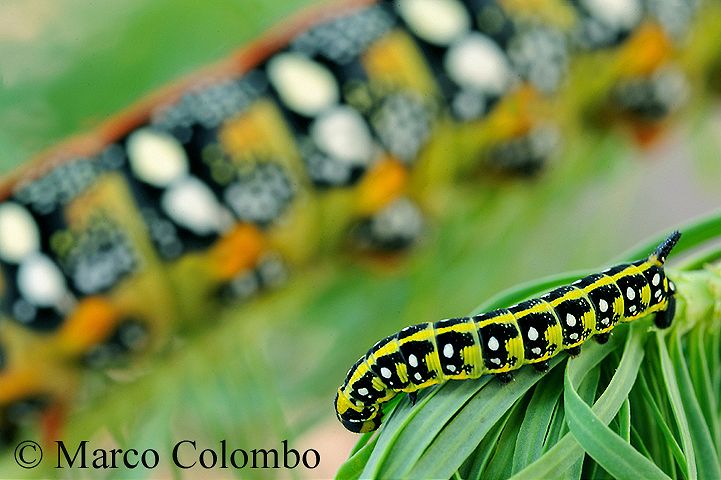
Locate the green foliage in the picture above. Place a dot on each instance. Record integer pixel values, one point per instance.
(654, 414)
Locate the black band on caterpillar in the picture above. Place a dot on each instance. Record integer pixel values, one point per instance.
(503, 340)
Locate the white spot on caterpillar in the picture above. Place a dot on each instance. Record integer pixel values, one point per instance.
(536, 350)
(671, 286)
(630, 293)
(40, 281)
(19, 235)
(476, 62)
(342, 133)
(657, 294)
(604, 321)
(305, 86)
(618, 14)
(448, 350)
(412, 360)
(532, 333)
(570, 320)
(191, 204)
(656, 280)
(632, 308)
(497, 361)
(603, 305)
(418, 376)
(493, 343)
(156, 158)
(573, 336)
(386, 372)
(451, 368)
(436, 21)
(362, 392)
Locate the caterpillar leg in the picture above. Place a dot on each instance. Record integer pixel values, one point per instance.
(602, 337)
(413, 397)
(541, 367)
(505, 377)
(664, 318)
(574, 351)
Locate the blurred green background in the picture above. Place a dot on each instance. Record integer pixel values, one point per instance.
(268, 371)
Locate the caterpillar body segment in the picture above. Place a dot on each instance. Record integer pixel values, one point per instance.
(504, 340)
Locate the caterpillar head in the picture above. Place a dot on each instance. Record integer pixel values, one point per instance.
(354, 416)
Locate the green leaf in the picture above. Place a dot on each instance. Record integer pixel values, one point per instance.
(353, 467)
(394, 435)
(501, 464)
(471, 423)
(676, 400)
(612, 452)
(535, 427)
(660, 421)
(483, 454)
(566, 452)
(704, 451)
(693, 233)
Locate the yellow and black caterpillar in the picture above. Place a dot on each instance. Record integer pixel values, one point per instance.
(504, 340)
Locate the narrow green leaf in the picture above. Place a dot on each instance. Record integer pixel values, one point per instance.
(483, 454)
(534, 429)
(587, 392)
(391, 429)
(663, 452)
(362, 442)
(624, 421)
(638, 440)
(461, 436)
(696, 262)
(567, 451)
(660, 422)
(556, 428)
(502, 462)
(353, 467)
(676, 401)
(614, 454)
(704, 451)
(694, 233)
(406, 447)
(701, 379)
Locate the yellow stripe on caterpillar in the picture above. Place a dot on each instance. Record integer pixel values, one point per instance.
(500, 341)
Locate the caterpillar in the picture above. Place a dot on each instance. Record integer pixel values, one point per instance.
(503, 340)
(334, 128)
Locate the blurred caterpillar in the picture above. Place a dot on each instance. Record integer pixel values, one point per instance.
(339, 123)
(504, 340)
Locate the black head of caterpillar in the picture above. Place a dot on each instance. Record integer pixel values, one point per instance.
(503, 340)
